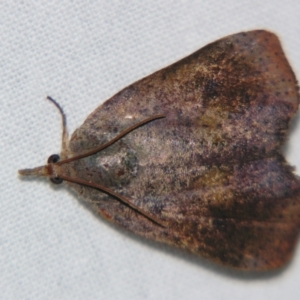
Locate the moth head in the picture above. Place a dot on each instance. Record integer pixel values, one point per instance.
(48, 170)
(51, 170)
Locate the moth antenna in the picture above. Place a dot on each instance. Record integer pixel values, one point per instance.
(105, 145)
(116, 195)
(44, 170)
(65, 138)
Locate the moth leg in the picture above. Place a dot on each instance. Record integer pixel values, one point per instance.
(65, 136)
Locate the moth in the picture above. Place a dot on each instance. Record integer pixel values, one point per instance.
(191, 155)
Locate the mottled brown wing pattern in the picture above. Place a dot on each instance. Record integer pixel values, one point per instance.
(212, 169)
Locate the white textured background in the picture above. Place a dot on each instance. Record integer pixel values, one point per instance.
(81, 53)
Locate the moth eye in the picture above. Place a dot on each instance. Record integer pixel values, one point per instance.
(54, 158)
(56, 180)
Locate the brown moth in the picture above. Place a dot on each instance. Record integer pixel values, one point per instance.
(190, 155)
